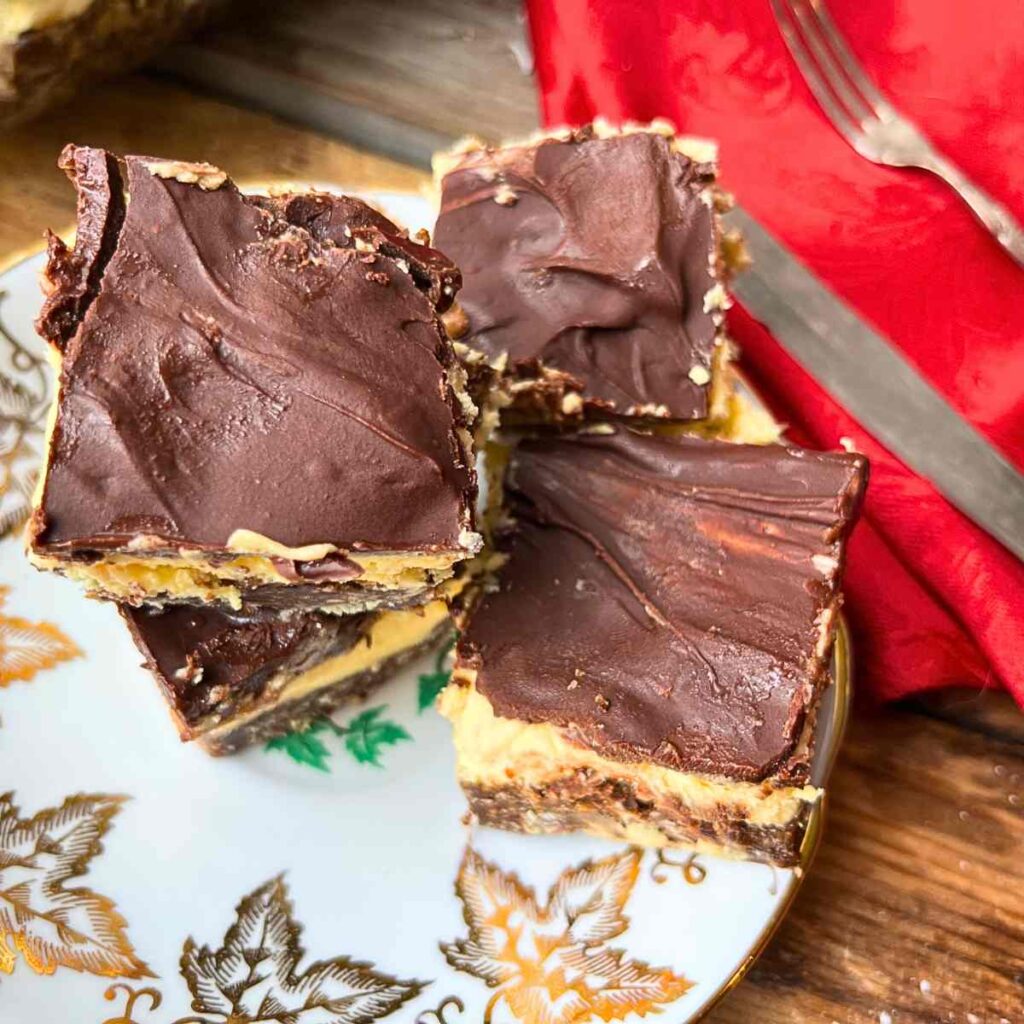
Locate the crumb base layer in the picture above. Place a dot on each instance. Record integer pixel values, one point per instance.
(531, 777)
(297, 713)
(613, 808)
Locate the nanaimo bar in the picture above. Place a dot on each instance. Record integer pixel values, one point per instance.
(231, 679)
(594, 272)
(257, 402)
(648, 664)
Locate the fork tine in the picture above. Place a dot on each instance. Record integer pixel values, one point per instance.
(847, 60)
(805, 12)
(819, 86)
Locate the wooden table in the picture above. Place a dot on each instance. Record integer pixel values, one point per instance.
(915, 904)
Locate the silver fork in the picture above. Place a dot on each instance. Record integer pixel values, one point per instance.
(868, 121)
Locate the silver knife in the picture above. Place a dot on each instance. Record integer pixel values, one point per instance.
(877, 385)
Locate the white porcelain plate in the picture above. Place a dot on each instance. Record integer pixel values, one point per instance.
(144, 881)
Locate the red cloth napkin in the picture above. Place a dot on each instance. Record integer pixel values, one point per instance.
(932, 599)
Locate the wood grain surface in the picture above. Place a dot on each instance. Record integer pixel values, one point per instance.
(139, 115)
(914, 909)
(401, 77)
(915, 904)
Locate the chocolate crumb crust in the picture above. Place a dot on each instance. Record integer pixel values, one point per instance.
(214, 666)
(330, 597)
(287, 716)
(586, 802)
(588, 261)
(226, 368)
(667, 600)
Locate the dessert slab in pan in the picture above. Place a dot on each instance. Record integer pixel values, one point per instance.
(327, 877)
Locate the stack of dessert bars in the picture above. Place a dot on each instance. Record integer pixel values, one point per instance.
(648, 661)
(262, 449)
(261, 441)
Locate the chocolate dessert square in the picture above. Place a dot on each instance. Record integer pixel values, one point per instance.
(257, 401)
(594, 272)
(234, 678)
(648, 665)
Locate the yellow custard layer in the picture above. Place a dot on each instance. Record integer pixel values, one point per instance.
(392, 633)
(735, 416)
(495, 751)
(191, 577)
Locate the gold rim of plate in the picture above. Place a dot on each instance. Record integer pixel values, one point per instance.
(842, 685)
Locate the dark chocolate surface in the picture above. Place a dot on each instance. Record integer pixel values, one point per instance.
(237, 371)
(213, 662)
(592, 256)
(346, 222)
(660, 601)
(75, 273)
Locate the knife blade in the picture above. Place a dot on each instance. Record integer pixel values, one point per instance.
(872, 380)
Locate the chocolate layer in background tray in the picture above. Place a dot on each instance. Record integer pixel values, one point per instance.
(50, 52)
(593, 264)
(665, 614)
(233, 678)
(243, 377)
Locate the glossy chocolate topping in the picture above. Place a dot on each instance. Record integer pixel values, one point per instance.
(663, 596)
(211, 661)
(349, 223)
(237, 371)
(592, 256)
(74, 274)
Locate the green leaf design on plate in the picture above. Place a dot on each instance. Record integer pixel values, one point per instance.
(303, 746)
(432, 683)
(366, 735)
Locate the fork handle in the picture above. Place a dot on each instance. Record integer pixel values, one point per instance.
(996, 217)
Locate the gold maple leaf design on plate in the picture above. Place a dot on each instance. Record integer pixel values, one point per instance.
(18, 457)
(29, 647)
(254, 975)
(24, 401)
(549, 963)
(50, 925)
